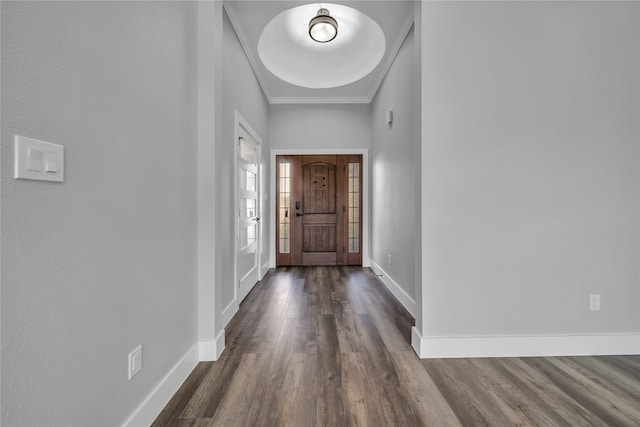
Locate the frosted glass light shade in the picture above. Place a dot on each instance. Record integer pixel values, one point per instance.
(323, 28)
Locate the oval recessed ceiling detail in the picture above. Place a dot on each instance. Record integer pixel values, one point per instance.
(286, 49)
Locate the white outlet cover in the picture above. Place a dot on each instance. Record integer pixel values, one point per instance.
(594, 302)
(135, 361)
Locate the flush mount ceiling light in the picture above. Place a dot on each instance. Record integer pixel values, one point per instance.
(322, 27)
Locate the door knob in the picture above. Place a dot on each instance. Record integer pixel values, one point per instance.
(256, 219)
(299, 214)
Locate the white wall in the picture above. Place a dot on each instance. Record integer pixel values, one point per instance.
(530, 140)
(324, 126)
(393, 192)
(107, 260)
(241, 93)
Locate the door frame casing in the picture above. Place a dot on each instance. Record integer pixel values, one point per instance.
(365, 194)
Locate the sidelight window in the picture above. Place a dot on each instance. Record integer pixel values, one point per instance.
(354, 207)
(284, 220)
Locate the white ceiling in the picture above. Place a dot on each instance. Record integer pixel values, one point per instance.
(287, 50)
(249, 19)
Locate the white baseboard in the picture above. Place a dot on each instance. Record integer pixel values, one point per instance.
(151, 407)
(265, 269)
(220, 343)
(395, 289)
(210, 351)
(228, 312)
(207, 351)
(416, 342)
(525, 346)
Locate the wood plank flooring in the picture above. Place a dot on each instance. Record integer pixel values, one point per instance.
(329, 346)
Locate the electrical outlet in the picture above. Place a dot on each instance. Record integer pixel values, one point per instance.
(594, 302)
(389, 259)
(135, 361)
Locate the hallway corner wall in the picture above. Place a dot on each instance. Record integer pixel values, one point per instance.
(210, 30)
(106, 261)
(530, 178)
(393, 196)
(241, 92)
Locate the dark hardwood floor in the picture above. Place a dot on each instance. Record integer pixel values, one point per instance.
(329, 346)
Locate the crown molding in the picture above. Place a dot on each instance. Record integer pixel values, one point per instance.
(245, 47)
(392, 56)
(320, 100)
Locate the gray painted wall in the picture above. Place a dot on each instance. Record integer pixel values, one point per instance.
(327, 126)
(393, 190)
(107, 260)
(243, 93)
(530, 138)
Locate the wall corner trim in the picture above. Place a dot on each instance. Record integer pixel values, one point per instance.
(395, 289)
(220, 344)
(153, 404)
(416, 341)
(207, 351)
(526, 346)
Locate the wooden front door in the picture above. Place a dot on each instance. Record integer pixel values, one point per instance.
(319, 216)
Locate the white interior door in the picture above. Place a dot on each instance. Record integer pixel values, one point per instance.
(248, 204)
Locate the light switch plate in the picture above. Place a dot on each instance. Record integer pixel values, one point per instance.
(38, 160)
(135, 361)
